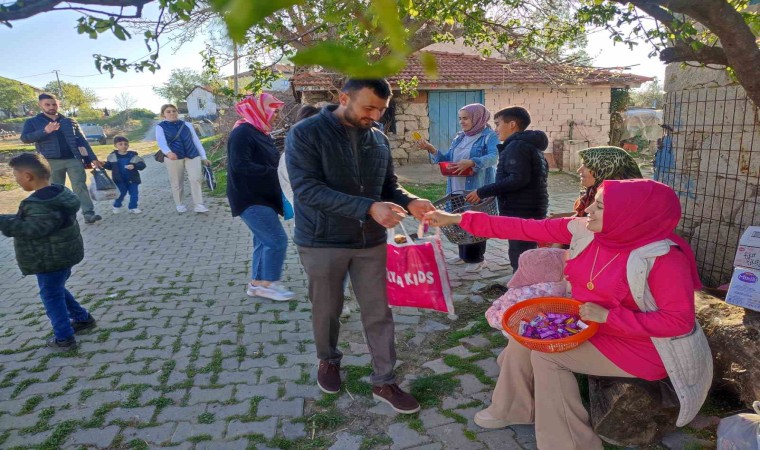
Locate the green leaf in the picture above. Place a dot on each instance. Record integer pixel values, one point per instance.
(241, 15)
(429, 65)
(389, 20)
(349, 61)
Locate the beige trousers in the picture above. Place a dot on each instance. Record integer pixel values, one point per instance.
(176, 170)
(540, 388)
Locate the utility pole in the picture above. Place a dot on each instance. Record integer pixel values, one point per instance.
(60, 88)
(235, 68)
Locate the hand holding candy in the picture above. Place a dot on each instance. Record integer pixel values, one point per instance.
(593, 312)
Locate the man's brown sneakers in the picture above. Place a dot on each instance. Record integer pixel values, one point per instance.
(328, 377)
(400, 401)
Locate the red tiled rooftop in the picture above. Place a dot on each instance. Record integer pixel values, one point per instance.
(457, 69)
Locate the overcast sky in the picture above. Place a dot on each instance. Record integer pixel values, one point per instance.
(34, 47)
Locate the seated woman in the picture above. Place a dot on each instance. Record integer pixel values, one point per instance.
(599, 164)
(636, 278)
(539, 274)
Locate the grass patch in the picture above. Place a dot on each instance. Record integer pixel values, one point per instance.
(429, 390)
(30, 404)
(23, 385)
(330, 419)
(452, 415)
(61, 432)
(467, 365)
(354, 383)
(206, 417)
(377, 440)
(200, 438)
(431, 192)
(412, 421)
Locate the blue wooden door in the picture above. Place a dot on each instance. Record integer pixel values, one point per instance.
(443, 107)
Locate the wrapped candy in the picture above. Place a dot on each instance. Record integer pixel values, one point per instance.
(551, 326)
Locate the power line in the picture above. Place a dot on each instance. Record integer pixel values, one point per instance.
(37, 75)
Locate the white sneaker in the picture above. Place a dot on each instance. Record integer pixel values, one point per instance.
(116, 210)
(455, 261)
(200, 209)
(135, 211)
(275, 291)
(475, 267)
(181, 209)
(251, 290)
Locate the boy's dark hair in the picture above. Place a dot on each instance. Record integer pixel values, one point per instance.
(306, 111)
(379, 86)
(120, 138)
(31, 162)
(516, 113)
(47, 96)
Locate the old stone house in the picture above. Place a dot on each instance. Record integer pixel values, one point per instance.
(571, 104)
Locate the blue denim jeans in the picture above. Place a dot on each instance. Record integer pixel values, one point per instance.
(269, 242)
(125, 188)
(60, 305)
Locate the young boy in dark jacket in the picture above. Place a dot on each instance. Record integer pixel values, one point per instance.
(521, 174)
(124, 166)
(48, 243)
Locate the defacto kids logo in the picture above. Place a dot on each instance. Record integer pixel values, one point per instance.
(748, 277)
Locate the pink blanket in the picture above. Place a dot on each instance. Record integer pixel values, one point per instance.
(540, 275)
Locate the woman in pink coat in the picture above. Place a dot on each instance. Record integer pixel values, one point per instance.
(540, 388)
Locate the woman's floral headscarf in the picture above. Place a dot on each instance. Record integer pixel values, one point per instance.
(606, 163)
(258, 110)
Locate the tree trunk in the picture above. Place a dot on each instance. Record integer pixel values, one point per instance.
(631, 411)
(734, 337)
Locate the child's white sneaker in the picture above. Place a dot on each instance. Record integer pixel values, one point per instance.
(135, 211)
(116, 210)
(181, 209)
(200, 208)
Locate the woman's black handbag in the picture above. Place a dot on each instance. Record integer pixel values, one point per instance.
(160, 156)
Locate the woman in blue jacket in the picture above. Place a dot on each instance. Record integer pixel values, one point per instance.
(473, 147)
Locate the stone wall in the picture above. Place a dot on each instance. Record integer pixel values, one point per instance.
(716, 164)
(580, 114)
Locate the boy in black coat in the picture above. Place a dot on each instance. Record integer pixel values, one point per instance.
(521, 174)
(124, 166)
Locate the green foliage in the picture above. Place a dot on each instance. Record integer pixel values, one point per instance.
(72, 96)
(15, 96)
(651, 95)
(620, 99)
(180, 83)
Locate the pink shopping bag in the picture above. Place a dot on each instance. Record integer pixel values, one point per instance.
(416, 273)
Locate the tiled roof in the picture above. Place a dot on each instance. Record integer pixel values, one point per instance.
(456, 69)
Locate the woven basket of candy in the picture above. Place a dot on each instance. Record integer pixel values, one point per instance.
(455, 203)
(548, 324)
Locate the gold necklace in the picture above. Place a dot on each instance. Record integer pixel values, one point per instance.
(591, 276)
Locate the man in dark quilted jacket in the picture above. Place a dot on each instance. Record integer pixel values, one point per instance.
(48, 243)
(60, 140)
(346, 195)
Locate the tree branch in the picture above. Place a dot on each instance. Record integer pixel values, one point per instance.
(25, 9)
(682, 52)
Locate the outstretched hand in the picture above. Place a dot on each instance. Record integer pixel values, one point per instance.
(441, 218)
(387, 214)
(419, 207)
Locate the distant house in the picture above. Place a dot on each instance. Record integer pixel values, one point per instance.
(280, 85)
(21, 109)
(571, 104)
(202, 103)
